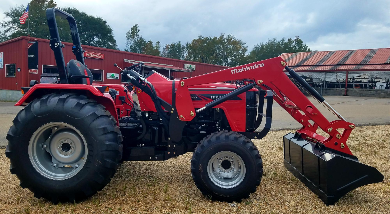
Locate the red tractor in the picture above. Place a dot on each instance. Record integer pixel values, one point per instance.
(68, 141)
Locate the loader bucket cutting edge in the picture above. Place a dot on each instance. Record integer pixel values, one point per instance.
(327, 174)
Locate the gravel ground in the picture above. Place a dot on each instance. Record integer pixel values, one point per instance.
(167, 187)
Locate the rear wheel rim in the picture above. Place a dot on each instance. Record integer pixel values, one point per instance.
(226, 169)
(57, 151)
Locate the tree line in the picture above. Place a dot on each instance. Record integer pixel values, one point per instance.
(94, 31)
(225, 50)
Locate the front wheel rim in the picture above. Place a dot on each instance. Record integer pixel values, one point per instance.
(57, 150)
(226, 169)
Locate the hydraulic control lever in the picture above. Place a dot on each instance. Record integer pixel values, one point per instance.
(132, 73)
(116, 65)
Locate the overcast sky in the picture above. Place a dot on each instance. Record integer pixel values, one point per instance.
(322, 25)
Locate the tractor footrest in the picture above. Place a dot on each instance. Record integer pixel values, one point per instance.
(329, 175)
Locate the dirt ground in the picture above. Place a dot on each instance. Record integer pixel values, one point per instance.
(167, 187)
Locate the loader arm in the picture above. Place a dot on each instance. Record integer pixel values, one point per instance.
(324, 164)
(269, 75)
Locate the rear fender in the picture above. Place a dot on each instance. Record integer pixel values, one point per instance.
(90, 91)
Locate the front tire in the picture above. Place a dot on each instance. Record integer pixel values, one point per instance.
(226, 166)
(64, 147)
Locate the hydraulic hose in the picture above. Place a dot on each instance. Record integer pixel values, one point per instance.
(140, 82)
(301, 81)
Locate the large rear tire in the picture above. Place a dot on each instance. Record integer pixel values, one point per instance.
(226, 166)
(64, 147)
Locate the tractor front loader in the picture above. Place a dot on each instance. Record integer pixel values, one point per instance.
(68, 141)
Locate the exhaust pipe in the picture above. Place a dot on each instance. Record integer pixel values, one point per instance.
(328, 174)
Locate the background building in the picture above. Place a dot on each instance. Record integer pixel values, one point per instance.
(25, 58)
(363, 72)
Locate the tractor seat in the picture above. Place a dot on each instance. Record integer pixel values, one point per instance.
(78, 73)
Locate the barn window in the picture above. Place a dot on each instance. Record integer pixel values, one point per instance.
(49, 69)
(10, 70)
(97, 74)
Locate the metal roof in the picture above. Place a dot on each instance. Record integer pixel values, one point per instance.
(343, 60)
(158, 65)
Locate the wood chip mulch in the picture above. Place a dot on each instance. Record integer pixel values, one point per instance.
(167, 187)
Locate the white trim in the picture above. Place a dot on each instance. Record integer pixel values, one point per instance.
(5, 69)
(151, 65)
(2, 60)
(135, 61)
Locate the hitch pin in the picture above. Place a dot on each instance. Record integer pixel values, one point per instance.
(334, 111)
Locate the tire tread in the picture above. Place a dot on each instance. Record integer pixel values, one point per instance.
(214, 139)
(75, 106)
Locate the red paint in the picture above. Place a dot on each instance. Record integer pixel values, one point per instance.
(270, 72)
(286, 94)
(91, 92)
(15, 51)
(12, 54)
(123, 109)
(86, 74)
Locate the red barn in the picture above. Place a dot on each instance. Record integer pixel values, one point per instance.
(25, 58)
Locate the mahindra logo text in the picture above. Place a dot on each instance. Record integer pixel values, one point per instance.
(247, 68)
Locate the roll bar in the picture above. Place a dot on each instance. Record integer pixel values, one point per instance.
(56, 44)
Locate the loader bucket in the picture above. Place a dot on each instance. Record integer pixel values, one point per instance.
(327, 174)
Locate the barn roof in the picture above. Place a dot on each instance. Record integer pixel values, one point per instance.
(342, 60)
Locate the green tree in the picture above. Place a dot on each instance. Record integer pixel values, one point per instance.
(137, 44)
(152, 49)
(93, 31)
(274, 48)
(174, 50)
(222, 50)
(231, 50)
(3, 36)
(202, 50)
(36, 20)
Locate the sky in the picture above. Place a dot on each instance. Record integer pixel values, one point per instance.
(322, 25)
